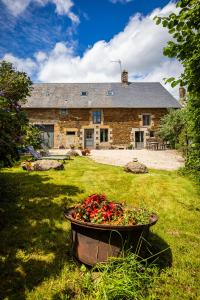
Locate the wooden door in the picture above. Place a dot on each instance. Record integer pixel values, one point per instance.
(71, 138)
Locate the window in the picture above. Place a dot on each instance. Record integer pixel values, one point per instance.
(103, 135)
(152, 134)
(96, 117)
(71, 132)
(146, 120)
(110, 93)
(84, 93)
(63, 111)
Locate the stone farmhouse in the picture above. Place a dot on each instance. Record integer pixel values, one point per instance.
(99, 115)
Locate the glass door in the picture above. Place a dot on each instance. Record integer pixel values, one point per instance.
(89, 138)
(139, 139)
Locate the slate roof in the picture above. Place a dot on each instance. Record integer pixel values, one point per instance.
(133, 95)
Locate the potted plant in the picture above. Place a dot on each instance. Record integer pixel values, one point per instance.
(100, 228)
(85, 152)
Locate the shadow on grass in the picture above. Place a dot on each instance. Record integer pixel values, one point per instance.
(157, 251)
(64, 294)
(34, 245)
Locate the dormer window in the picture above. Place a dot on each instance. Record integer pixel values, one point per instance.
(110, 93)
(84, 93)
(63, 111)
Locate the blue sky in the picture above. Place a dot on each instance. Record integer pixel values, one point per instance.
(75, 40)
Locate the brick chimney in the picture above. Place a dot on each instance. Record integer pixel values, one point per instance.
(124, 77)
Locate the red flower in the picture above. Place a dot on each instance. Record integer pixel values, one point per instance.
(112, 205)
(106, 207)
(103, 197)
(89, 210)
(94, 213)
(98, 209)
(107, 215)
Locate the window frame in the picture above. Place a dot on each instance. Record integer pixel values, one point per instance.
(105, 136)
(70, 132)
(84, 93)
(96, 119)
(63, 112)
(110, 93)
(144, 123)
(152, 133)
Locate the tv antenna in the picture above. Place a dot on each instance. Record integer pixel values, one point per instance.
(119, 62)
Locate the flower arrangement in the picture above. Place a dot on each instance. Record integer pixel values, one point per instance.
(97, 209)
(85, 152)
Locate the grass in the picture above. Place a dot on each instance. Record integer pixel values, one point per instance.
(35, 259)
(123, 277)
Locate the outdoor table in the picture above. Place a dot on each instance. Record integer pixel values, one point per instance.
(154, 145)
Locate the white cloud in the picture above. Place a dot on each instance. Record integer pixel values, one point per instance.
(166, 69)
(40, 56)
(16, 7)
(139, 46)
(63, 7)
(120, 1)
(26, 65)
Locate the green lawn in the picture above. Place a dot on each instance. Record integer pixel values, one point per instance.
(35, 260)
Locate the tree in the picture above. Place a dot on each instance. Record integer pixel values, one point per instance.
(185, 46)
(173, 128)
(15, 86)
(32, 136)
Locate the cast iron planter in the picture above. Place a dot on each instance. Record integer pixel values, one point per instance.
(93, 243)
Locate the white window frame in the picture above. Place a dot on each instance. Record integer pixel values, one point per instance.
(104, 135)
(150, 120)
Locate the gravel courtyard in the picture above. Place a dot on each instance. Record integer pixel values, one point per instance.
(162, 160)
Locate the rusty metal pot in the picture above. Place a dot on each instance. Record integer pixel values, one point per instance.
(94, 243)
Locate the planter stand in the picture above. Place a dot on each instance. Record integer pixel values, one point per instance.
(94, 243)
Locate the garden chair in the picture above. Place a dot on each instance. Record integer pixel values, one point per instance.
(45, 149)
(38, 156)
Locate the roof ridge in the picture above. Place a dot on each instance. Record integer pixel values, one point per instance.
(140, 82)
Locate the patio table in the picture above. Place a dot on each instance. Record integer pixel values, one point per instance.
(153, 145)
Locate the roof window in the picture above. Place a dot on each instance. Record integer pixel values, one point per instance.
(63, 111)
(110, 93)
(84, 93)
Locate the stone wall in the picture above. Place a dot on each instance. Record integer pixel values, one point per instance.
(120, 122)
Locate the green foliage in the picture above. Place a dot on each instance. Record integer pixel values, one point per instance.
(139, 216)
(185, 46)
(14, 87)
(32, 136)
(174, 128)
